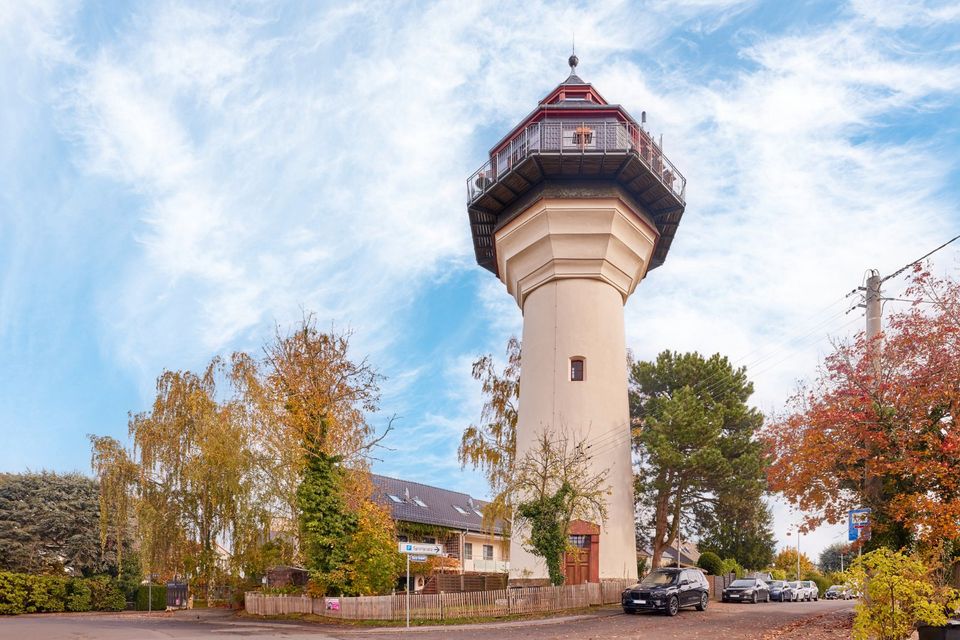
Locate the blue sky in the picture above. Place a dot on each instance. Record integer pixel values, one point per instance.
(177, 178)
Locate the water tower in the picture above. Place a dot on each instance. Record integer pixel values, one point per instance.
(576, 203)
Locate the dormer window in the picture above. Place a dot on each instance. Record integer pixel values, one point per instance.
(576, 369)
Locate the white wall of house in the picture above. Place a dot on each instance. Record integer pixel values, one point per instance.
(485, 554)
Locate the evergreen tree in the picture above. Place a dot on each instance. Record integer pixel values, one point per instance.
(739, 527)
(326, 524)
(50, 523)
(694, 435)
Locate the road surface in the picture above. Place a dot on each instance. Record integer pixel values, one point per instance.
(726, 621)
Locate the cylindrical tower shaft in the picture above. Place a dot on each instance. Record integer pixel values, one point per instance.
(580, 319)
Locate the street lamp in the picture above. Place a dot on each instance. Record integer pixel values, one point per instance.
(798, 550)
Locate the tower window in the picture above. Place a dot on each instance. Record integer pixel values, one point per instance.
(576, 369)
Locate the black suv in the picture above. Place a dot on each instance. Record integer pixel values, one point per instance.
(667, 590)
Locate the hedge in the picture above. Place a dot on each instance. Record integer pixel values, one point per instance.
(27, 593)
(159, 593)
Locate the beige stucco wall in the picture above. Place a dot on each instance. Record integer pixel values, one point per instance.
(571, 264)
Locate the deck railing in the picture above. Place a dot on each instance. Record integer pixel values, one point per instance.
(570, 137)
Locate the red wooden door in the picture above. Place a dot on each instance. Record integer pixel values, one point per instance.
(577, 560)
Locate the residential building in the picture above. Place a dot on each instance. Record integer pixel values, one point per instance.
(433, 515)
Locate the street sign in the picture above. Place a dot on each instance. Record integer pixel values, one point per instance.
(418, 558)
(420, 549)
(858, 521)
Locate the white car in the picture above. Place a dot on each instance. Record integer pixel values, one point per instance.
(811, 590)
(798, 590)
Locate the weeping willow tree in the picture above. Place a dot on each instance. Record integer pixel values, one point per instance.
(116, 474)
(196, 477)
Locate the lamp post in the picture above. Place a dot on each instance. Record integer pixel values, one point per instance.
(798, 550)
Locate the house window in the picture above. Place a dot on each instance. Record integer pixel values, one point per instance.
(460, 510)
(576, 369)
(403, 539)
(419, 502)
(468, 551)
(394, 498)
(430, 540)
(488, 552)
(477, 511)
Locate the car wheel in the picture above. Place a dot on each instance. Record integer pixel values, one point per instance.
(703, 602)
(673, 606)
(754, 600)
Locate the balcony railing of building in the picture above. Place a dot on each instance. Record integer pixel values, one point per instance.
(563, 137)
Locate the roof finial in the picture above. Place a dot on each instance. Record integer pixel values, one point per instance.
(573, 60)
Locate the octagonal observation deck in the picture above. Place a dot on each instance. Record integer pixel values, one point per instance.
(575, 138)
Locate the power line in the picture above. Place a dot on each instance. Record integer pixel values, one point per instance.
(921, 258)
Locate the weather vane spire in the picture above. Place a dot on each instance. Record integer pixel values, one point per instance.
(573, 60)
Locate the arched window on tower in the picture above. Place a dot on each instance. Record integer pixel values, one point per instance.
(576, 369)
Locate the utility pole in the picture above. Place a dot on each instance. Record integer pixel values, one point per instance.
(873, 303)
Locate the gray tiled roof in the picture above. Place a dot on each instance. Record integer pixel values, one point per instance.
(440, 504)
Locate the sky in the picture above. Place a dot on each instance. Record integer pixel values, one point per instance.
(177, 179)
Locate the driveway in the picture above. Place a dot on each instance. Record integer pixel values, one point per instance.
(727, 621)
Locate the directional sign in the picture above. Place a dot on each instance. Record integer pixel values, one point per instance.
(420, 549)
(859, 519)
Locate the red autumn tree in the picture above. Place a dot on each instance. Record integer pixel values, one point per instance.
(878, 426)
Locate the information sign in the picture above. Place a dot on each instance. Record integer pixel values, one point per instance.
(420, 549)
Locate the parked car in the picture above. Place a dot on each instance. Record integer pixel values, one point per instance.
(798, 591)
(781, 591)
(811, 590)
(747, 590)
(667, 590)
(838, 592)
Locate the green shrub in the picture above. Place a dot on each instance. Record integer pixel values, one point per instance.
(46, 594)
(159, 598)
(13, 593)
(732, 566)
(711, 563)
(106, 595)
(78, 595)
(778, 574)
(899, 593)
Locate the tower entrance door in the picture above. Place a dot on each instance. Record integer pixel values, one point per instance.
(582, 560)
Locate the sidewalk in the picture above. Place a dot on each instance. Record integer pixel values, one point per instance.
(511, 624)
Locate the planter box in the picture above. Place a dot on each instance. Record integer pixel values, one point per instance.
(949, 632)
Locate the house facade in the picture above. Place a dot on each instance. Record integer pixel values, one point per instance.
(432, 515)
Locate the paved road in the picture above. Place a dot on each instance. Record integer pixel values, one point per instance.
(726, 621)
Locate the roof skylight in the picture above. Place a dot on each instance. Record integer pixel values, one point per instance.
(394, 498)
(460, 510)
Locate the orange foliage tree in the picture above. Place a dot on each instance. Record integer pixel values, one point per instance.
(878, 426)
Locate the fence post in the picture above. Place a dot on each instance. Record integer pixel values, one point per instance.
(441, 605)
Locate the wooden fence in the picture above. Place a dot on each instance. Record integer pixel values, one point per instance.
(502, 602)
